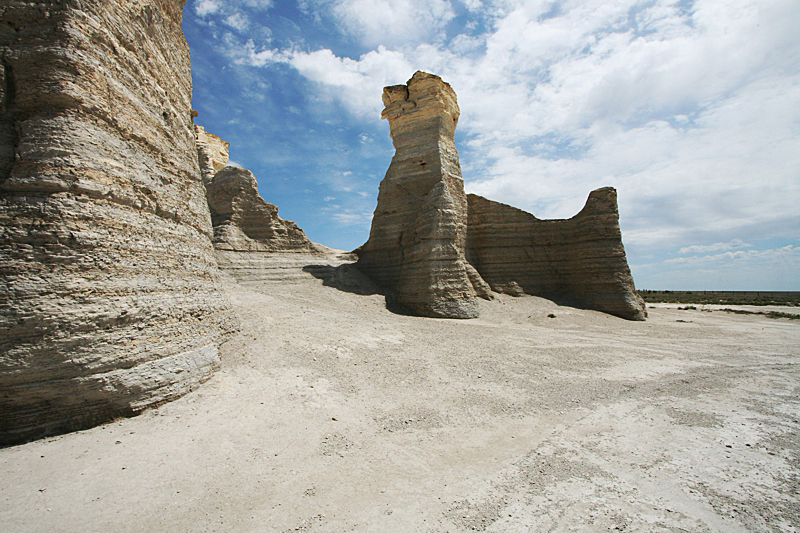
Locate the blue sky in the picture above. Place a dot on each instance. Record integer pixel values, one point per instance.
(691, 109)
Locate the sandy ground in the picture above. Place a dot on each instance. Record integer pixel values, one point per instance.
(333, 414)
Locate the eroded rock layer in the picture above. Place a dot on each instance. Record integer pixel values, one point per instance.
(109, 296)
(212, 153)
(437, 251)
(580, 260)
(245, 222)
(418, 235)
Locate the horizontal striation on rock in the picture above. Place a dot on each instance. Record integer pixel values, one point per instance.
(110, 300)
(212, 153)
(245, 222)
(418, 234)
(580, 260)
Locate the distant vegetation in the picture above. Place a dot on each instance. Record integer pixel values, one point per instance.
(788, 299)
(770, 314)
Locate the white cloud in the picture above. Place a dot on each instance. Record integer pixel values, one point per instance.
(717, 246)
(246, 54)
(392, 22)
(238, 21)
(352, 218)
(258, 4)
(773, 269)
(363, 79)
(206, 7)
(788, 255)
(232, 12)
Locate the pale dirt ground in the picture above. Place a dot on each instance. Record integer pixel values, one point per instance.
(333, 414)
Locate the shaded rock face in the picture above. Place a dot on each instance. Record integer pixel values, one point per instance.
(416, 246)
(109, 293)
(244, 222)
(580, 261)
(438, 249)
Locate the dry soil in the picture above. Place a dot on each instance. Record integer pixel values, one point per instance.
(332, 413)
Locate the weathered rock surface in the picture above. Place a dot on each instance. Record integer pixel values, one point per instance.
(245, 222)
(416, 246)
(437, 251)
(212, 153)
(580, 260)
(109, 293)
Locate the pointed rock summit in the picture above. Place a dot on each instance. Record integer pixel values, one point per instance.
(416, 246)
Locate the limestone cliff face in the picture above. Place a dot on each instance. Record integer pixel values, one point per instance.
(418, 236)
(212, 153)
(244, 222)
(580, 261)
(109, 296)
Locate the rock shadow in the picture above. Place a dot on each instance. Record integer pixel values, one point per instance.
(348, 278)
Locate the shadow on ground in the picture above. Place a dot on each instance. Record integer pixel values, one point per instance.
(348, 278)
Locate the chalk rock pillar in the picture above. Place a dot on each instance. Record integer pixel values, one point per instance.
(109, 292)
(418, 235)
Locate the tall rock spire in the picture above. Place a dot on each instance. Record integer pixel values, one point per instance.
(425, 228)
(417, 242)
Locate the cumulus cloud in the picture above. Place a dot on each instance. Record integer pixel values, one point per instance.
(787, 254)
(351, 218)
(232, 13)
(238, 21)
(257, 4)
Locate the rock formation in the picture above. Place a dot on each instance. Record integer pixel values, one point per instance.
(244, 222)
(416, 246)
(436, 250)
(251, 242)
(212, 153)
(579, 261)
(109, 300)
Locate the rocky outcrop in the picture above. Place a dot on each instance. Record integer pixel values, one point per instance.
(109, 294)
(416, 246)
(579, 261)
(251, 241)
(437, 251)
(212, 153)
(244, 222)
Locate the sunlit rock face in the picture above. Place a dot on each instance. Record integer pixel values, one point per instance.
(245, 222)
(212, 153)
(251, 242)
(416, 246)
(437, 249)
(579, 261)
(110, 299)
